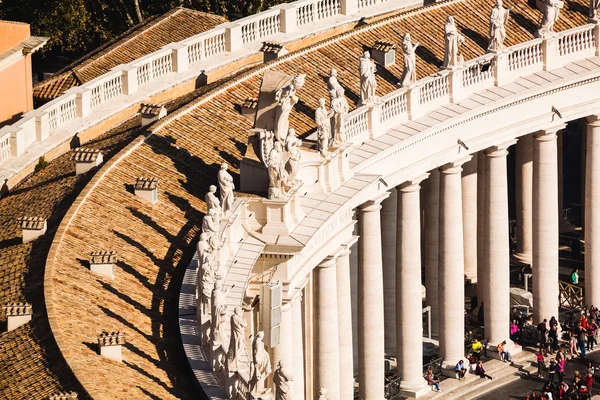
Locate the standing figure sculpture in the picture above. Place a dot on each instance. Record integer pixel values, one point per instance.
(368, 83)
(237, 340)
(332, 85)
(452, 39)
(226, 188)
(323, 121)
(218, 310)
(550, 13)
(276, 172)
(594, 13)
(498, 18)
(211, 199)
(207, 281)
(283, 381)
(261, 363)
(340, 108)
(292, 146)
(286, 98)
(409, 74)
(210, 224)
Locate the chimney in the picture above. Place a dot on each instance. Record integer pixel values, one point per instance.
(147, 189)
(17, 314)
(86, 159)
(151, 113)
(32, 228)
(384, 53)
(63, 396)
(249, 108)
(110, 344)
(272, 51)
(103, 263)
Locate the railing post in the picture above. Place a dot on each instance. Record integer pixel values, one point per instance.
(287, 17)
(550, 52)
(597, 38)
(41, 124)
(374, 119)
(17, 140)
(233, 36)
(83, 101)
(348, 7)
(129, 83)
(179, 56)
(413, 97)
(455, 85)
(501, 75)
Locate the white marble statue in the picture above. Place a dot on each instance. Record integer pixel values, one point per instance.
(261, 365)
(226, 188)
(237, 340)
(209, 223)
(292, 147)
(322, 394)
(332, 85)
(409, 74)
(340, 108)
(498, 18)
(276, 172)
(453, 39)
(368, 83)
(283, 381)
(212, 201)
(218, 309)
(323, 121)
(207, 282)
(286, 98)
(550, 13)
(594, 13)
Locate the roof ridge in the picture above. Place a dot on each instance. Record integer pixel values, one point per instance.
(6, 21)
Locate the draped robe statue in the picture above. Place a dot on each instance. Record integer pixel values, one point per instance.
(226, 188)
(594, 14)
(453, 39)
(286, 98)
(550, 13)
(261, 363)
(498, 18)
(323, 121)
(219, 309)
(283, 381)
(340, 108)
(332, 85)
(409, 74)
(205, 277)
(292, 146)
(368, 83)
(237, 340)
(276, 172)
(212, 201)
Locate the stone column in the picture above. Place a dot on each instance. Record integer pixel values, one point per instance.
(451, 267)
(345, 326)
(327, 352)
(545, 225)
(388, 245)
(481, 266)
(431, 187)
(298, 347)
(408, 291)
(496, 246)
(284, 350)
(371, 372)
(469, 207)
(524, 199)
(592, 218)
(564, 226)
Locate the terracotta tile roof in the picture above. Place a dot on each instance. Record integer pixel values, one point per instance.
(34, 223)
(382, 45)
(146, 183)
(173, 26)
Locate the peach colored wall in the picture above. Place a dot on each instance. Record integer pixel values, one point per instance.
(11, 34)
(16, 95)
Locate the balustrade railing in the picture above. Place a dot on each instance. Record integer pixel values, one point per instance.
(104, 89)
(328, 8)
(434, 89)
(206, 45)
(393, 106)
(4, 147)
(478, 71)
(154, 66)
(577, 40)
(61, 111)
(356, 124)
(525, 55)
(305, 14)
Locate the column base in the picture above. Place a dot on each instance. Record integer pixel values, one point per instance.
(414, 390)
(523, 258)
(512, 348)
(449, 370)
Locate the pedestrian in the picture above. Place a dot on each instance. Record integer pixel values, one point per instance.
(590, 368)
(563, 390)
(476, 347)
(581, 335)
(543, 331)
(553, 337)
(591, 334)
(540, 363)
(480, 371)
(514, 331)
(433, 381)
(575, 277)
(584, 393)
(560, 367)
(552, 370)
(504, 355)
(560, 355)
(461, 370)
(572, 344)
(588, 380)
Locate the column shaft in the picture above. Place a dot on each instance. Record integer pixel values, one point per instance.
(345, 327)
(284, 350)
(327, 352)
(481, 266)
(388, 245)
(451, 267)
(371, 370)
(545, 226)
(592, 218)
(298, 348)
(432, 212)
(524, 198)
(469, 206)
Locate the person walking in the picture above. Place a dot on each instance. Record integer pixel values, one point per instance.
(480, 371)
(543, 331)
(553, 338)
(540, 362)
(591, 334)
(588, 381)
(563, 391)
(514, 331)
(575, 277)
(560, 367)
(476, 348)
(461, 370)
(572, 344)
(581, 335)
(433, 381)
(552, 367)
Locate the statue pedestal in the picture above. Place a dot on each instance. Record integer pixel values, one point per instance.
(325, 174)
(276, 217)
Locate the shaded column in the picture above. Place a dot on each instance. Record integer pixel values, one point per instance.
(388, 245)
(345, 326)
(592, 218)
(524, 199)
(481, 266)
(564, 226)
(284, 350)
(371, 355)
(451, 267)
(431, 186)
(545, 225)
(298, 347)
(327, 352)
(408, 291)
(469, 206)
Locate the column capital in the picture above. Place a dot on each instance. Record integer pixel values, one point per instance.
(454, 167)
(412, 185)
(593, 120)
(549, 133)
(374, 204)
(297, 297)
(499, 150)
(328, 262)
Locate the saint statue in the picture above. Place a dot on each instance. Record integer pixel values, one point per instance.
(498, 18)
(292, 146)
(323, 121)
(340, 108)
(212, 200)
(368, 83)
(237, 340)
(332, 85)
(409, 75)
(276, 173)
(550, 13)
(452, 39)
(283, 381)
(226, 188)
(261, 363)
(286, 98)
(594, 14)
(218, 309)
(209, 223)
(207, 277)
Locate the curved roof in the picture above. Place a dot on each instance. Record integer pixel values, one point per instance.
(154, 242)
